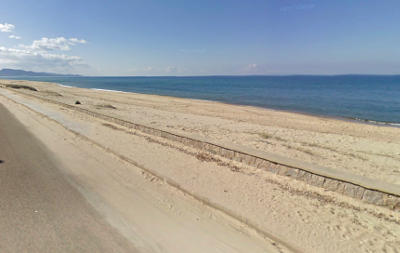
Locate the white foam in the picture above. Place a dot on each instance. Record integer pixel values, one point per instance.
(380, 123)
(66, 86)
(109, 90)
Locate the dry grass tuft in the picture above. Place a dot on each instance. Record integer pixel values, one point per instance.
(204, 157)
(271, 136)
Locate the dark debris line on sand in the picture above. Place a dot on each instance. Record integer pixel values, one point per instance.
(17, 86)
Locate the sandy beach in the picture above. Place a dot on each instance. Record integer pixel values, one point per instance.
(363, 149)
(165, 196)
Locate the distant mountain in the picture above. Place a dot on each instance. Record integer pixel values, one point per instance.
(19, 72)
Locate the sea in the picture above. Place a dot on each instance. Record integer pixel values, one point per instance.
(368, 98)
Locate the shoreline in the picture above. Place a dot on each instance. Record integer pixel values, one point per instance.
(324, 116)
(342, 118)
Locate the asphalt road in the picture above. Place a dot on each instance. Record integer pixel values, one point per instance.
(39, 210)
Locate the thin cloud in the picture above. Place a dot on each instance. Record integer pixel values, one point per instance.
(12, 36)
(77, 41)
(252, 68)
(20, 54)
(6, 28)
(43, 61)
(59, 43)
(171, 69)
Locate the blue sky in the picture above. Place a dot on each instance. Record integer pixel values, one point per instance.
(201, 37)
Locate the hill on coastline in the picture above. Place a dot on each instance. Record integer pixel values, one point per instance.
(19, 72)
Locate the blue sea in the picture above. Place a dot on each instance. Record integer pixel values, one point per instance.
(370, 98)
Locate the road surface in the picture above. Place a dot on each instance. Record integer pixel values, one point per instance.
(39, 210)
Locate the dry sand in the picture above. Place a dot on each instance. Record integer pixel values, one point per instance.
(368, 150)
(289, 213)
